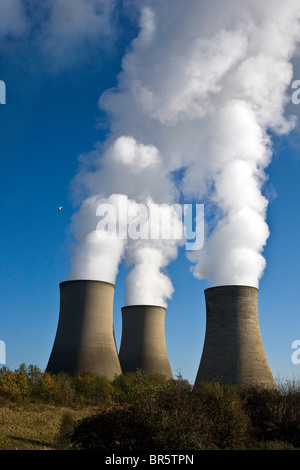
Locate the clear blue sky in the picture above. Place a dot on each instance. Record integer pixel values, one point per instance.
(51, 116)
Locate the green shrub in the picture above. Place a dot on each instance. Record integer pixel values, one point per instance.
(289, 413)
(262, 407)
(29, 384)
(274, 414)
(148, 412)
(167, 415)
(9, 387)
(23, 383)
(94, 389)
(47, 390)
(225, 424)
(176, 418)
(137, 387)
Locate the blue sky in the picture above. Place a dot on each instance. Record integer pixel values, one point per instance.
(50, 118)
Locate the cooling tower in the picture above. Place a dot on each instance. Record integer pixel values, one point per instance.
(143, 344)
(85, 336)
(233, 351)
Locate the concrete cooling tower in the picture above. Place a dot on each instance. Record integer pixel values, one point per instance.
(143, 344)
(233, 350)
(85, 336)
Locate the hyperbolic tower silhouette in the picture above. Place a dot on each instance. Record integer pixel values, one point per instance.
(143, 343)
(233, 351)
(85, 335)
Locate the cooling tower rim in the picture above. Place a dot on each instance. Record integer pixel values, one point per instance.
(230, 286)
(134, 306)
(69, 281)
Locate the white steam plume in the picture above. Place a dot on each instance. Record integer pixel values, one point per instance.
(147, 283)
(202, 87)
(130, 176)
(95, 257)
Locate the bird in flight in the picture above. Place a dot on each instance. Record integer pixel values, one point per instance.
(60, 208)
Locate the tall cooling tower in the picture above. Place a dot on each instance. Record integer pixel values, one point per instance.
(143, 344)
(85, 336)
(233, 350)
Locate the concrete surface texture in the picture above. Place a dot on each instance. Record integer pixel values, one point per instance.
(85, 336)
(233, 351)
(143, 343)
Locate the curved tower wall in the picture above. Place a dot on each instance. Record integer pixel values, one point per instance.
(85, 336)
(233, 351)
(143, 344)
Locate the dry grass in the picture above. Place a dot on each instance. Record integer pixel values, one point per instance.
(36, 427)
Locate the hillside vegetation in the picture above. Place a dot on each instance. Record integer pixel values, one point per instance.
(138, 412)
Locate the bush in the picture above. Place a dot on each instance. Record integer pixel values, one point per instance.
(29, 384)
(225, 424)
(94, 389)
(164, 406)
(165, 415)
(290, 413)
(9, 387)
(47, 390)
(176, 418)
(137, 387)
(142, 412)
(274, 414)
(117, 429)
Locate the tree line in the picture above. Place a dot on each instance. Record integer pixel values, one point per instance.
(141, 412)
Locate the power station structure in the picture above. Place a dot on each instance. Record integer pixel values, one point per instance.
(233, 351)
(143, 343)
(85, 338)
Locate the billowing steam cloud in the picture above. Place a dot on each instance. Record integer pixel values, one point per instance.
(131, 177)
(202, 88)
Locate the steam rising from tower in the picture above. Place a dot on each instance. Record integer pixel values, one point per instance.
(202, 89)
(198, 96)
